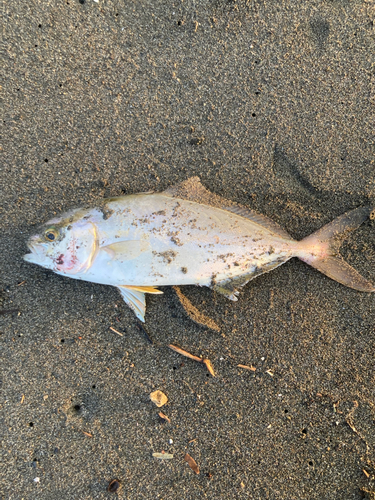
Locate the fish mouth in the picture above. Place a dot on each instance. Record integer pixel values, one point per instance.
(34, 255)
(29, 257)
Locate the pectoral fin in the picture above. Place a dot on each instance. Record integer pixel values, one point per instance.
(128, 250)
(135, 298)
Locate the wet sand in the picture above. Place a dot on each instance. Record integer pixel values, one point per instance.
(271, 104)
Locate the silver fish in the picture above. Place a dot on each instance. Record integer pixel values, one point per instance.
(184, 236)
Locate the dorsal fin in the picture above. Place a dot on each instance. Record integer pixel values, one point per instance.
(260, 219)
(193, 190)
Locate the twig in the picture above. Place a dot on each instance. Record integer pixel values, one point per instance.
(113, 330)
(185, 353)
(209, 366)
(87, 434)
(164, 417)
(245, 367)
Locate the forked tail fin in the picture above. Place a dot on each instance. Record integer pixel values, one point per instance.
(321, 249)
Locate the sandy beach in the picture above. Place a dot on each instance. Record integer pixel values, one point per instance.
(271, 104)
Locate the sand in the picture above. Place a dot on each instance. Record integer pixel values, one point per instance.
(271, 104)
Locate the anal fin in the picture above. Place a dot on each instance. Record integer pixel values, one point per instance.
(135, 298)
(229, 287)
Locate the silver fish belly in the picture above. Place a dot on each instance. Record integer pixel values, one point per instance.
(183, 236)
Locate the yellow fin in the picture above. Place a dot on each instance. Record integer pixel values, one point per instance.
(144, 289)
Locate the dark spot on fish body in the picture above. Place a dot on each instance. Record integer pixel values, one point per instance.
(69, 228)
(271, 251)
(184, 270)
(236, 264)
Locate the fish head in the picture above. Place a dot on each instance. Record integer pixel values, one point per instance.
(66, 245)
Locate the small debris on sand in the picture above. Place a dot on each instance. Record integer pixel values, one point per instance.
(245, 367)
(159, 398)
(187, 354)
(163, 456)
(164, 417)
(113, 330)
(209, 366)
(192, 463)
(87, 434)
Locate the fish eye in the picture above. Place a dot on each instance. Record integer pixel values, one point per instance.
(51, 234)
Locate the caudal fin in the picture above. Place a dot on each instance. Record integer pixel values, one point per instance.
(321, 249)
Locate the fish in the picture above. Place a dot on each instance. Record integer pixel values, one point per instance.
(185, 235)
